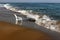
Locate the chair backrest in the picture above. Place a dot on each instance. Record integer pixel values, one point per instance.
(17, 17)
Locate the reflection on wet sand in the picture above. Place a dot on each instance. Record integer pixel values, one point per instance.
(15, 32)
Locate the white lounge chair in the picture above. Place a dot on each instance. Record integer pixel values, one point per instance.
(18, 19)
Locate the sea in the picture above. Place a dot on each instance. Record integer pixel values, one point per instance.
(50, 9)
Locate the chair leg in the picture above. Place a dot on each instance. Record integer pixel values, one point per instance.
(18, 19)
(21, 22)
(16, 22)
(15, 18)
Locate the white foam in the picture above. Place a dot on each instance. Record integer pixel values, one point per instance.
(33, 16)
(45, 19)
(24, 12)
(8, 6)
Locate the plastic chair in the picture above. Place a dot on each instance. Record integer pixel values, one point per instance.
(18, 19)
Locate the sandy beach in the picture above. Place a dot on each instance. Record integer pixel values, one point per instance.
(15, 32)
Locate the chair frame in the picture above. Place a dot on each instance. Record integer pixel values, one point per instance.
(18, 19)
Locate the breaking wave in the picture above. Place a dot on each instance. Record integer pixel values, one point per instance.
(12, 8)
(43, 21)
(28, 13)
(24, 12)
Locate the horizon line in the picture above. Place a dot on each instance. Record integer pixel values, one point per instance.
(29, 2)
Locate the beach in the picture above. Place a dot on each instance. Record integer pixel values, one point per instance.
(10, 31)
(7, 16)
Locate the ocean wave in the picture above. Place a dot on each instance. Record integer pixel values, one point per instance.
(28, 13)
(8, 6)
(44, 21)
(15, 9)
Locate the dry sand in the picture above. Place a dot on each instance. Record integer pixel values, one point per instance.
(15, 32)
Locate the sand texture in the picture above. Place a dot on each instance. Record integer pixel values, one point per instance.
(15, 32)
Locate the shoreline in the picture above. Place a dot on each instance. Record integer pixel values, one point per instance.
(30, 25)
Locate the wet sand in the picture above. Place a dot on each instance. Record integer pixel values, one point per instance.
(15, 32)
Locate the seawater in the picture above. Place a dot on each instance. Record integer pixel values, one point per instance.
(51, 9)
